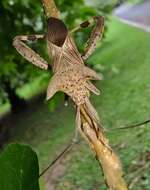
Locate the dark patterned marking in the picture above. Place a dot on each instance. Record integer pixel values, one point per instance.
(85, 24)
(31, 37)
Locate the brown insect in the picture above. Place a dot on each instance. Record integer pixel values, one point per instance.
(71, 76)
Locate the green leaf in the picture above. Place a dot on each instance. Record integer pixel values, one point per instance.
(19, 168)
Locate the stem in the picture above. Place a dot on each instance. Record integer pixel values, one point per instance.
(108, 159)
(50, 9)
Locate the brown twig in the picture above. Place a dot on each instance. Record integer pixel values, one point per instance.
(109, 161)
(50, 9)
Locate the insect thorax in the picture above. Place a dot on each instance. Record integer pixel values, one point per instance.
(73, 83)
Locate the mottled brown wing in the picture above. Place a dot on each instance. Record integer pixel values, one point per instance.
(55, 53)
(70, 52)
(65, 56)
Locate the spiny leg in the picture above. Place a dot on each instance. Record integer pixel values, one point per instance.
(96, 34)
(92, 88)
(27, 52)
(78, 124)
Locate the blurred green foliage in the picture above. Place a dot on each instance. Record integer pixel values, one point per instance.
(136, 1)
(16, 17)
(26, 17)
(19, 169)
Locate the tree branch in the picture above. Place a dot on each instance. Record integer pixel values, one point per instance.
(105, 155)
(50, 9)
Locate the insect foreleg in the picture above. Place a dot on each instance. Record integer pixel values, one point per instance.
(96, 34)
(27, 52)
